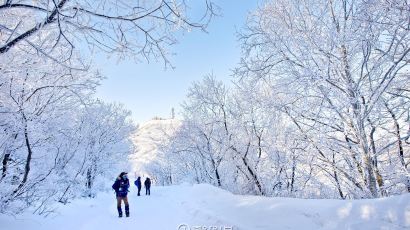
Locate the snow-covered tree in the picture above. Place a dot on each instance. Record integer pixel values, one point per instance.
(56, 141)
(135, 29)
(319, 106)
(331, 64)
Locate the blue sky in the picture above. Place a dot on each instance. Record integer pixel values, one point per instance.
(149, 90)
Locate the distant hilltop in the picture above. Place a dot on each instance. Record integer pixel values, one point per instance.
(149, 139)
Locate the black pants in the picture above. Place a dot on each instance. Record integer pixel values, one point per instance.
(139, 190)
(147, 190)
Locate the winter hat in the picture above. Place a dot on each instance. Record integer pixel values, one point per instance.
(122, 174)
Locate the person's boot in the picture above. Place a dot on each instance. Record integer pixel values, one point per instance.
(127, 211)
(119, 211)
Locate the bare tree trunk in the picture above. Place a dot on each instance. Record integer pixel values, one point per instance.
(371, 179)
(6, 159)
(379, 177)
(355, 161)
(89, 183)
(28, 159)
(170, 180)
(253, 174)
(215, 166)
(249, 168)
(400, 150)
(29, 156)
(292, 180)
(358, 125)
(352, 94)
(336, 177)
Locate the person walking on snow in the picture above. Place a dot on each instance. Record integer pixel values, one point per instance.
(147, 185)
(138, 184)
(121, 186)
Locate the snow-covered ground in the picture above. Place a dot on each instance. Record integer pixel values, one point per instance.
(206, 207)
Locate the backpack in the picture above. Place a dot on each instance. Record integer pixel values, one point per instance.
(138, 183)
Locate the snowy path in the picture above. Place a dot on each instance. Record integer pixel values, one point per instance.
(157, 211)
(206, 206)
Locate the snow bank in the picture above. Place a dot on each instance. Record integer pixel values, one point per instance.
(207, 207)
(251, 212)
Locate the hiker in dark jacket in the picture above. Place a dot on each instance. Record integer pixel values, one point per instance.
(121, 186)
(138, 184)
(147, 185)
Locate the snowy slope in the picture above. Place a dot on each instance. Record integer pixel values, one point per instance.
(207, 206)
(149, 136)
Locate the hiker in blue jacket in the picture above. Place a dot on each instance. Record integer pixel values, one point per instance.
(121, 186)
(138, 184)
